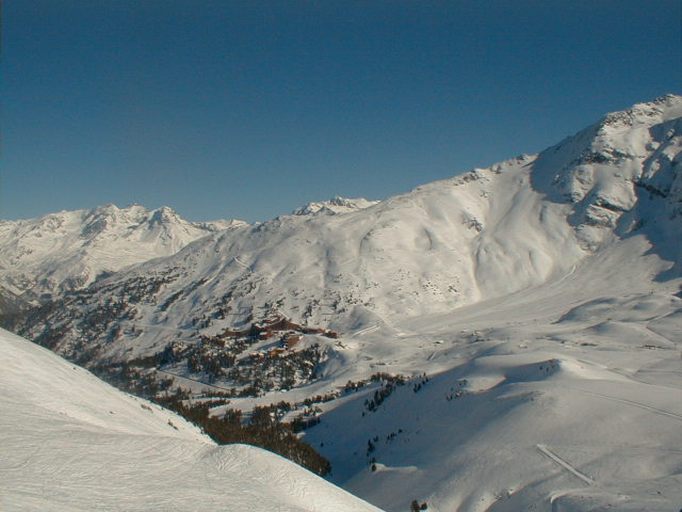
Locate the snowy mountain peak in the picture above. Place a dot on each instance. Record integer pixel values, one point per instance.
(603, 169)
(649, 113)
(110, 217)
(68, 250)
(99, 219)
(334, 206)
(163, 215)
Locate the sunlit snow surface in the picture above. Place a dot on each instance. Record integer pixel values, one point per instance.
(563, 397)
(69, 442)
(68, 250)
(541, 296)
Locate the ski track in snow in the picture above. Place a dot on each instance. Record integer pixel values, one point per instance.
(367, 330)
(242, 264)
(655, 410)
(195, 381)
(564, 464)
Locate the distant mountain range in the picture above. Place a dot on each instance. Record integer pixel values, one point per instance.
(477, 343)
(69, 250)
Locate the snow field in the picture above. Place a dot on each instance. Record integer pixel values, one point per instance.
(71, 443)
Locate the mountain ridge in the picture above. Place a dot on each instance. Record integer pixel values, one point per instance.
(526, 306)
(68, 250)
(335, 205)
(444, 245)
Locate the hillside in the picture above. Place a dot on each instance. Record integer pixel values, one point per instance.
(70, 441)
(562, 397)
(475, 237)
(507, 339)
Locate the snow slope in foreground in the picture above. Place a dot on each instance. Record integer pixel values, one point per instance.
(71, 442)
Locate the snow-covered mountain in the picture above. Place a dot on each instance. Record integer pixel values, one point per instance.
(70, 249)
(541, 296)
(445, 245)
(335, 205)
(621, 174)
(71, 443)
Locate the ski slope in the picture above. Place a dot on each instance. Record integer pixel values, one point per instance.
(563, 397)
(72, 443)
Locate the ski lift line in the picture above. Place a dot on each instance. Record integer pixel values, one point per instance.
(163, 328)
(640, 405)
(366, 330)
(344, 262)
(264, 275)
(194, 380)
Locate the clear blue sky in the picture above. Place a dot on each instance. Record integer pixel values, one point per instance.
(250, 108)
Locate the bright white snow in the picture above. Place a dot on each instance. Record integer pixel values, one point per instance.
(542, 296)
(69, 442)
(70, 249)
(334, 206)
(563, 397)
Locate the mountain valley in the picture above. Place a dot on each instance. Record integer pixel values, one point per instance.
(507, 339)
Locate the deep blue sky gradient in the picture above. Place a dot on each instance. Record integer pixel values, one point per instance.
(250, 108)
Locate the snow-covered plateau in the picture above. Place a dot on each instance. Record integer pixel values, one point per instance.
(508, 339)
